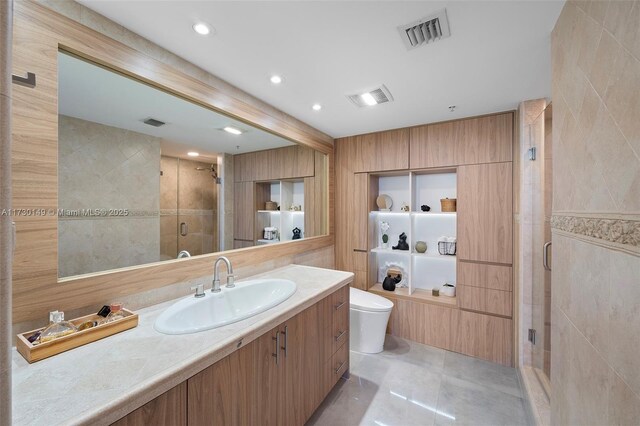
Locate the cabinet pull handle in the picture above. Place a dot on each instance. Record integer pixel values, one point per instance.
(340, 367)
(339, 336)
(286, 335)
(339, 305)
(28, 81)
(184, 229)
(277, 340)
(545, 255)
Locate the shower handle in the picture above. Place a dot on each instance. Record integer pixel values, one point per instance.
(184, 229)
(545, 255)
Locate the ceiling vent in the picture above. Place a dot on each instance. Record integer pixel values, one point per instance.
(153, 122)
(380, 94)
(425, 30)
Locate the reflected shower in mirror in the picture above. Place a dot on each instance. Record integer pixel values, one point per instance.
(145, 175)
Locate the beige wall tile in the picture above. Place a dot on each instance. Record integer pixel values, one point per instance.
(595, 333)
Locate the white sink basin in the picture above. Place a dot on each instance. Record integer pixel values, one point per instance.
(246, 299)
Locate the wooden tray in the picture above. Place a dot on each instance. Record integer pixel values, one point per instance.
(33, 353)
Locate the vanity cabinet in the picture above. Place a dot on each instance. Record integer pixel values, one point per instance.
(280, 378)
(170, 408)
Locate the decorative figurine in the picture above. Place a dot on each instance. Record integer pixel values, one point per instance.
(425, 208)
(404, 207)
(296, 233)
(384, 227)
(421, 247)
(402, 243)
(394, 276)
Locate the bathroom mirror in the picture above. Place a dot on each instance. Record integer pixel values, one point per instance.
(146, 176)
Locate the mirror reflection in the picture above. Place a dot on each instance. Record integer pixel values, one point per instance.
(145, 176)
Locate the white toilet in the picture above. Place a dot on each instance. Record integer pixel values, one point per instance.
(369, 314)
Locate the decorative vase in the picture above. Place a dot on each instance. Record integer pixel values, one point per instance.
(384, 245)
(421, 247)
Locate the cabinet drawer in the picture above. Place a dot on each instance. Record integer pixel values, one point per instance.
(496, 302)
(335, 368)
(339, 318)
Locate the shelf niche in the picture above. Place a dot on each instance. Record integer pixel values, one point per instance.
(284, 193)
(425, 271)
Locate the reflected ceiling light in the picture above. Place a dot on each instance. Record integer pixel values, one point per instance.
(316, 107)
(201, 28)
(276, 79)
(232, 130)
(193, 154)
(368, 99)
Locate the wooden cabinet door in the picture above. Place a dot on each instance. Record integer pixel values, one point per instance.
(471, 141)
(221, 394)
(313, 322)
(485, 213)
(380, 151)
(244, 211)
(266, 381)
(169, 409)
(292, 386)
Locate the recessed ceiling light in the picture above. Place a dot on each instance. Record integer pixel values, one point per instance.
(193, 154)
(316, 107)
(276, 79)
(232, 130)
(368, 99)
(201, 28)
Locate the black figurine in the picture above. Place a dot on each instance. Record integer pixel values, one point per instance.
(425, 208)
(402, 243)
(296, 233)
(390, 282)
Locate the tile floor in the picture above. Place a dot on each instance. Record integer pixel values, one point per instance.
(414, 384)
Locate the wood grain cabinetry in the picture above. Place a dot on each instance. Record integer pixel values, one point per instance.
(485, 220)
(244, 211)
(470, 141)
(381, 151)
(280, 378)
(272, 164)
(471, 333)
(220, 394)
(170, 408)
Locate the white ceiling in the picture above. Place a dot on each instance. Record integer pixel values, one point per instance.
(498, 54)
(95, 94)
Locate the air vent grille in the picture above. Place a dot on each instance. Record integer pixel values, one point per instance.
(425, 30)
(153, 122)
(380, 94)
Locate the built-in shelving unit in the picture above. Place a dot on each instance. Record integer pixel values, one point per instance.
(285, 193)
(424, 271)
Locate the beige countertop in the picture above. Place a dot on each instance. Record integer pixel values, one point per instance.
(100, 382)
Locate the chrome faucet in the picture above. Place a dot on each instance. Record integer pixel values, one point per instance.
(183, 254)
(215, 288)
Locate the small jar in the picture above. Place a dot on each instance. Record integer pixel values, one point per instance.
(116, 312)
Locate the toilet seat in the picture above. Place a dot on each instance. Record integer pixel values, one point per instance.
(365, 301)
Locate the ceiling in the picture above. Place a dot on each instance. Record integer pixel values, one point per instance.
(92, 93)
(498, 54)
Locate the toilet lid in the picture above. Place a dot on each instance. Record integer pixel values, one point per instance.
(365, 301)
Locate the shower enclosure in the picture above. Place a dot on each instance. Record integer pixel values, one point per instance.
(188, 207)
(541, 192)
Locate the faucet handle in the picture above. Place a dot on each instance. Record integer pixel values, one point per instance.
(231, 281)
(199, 290)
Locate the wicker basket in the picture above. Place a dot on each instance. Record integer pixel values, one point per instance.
(270, 205)
(448, 204)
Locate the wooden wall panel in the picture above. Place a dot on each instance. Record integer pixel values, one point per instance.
(484, 275)
(476, 140)
(470, 333)
(38, 34)
(273, 164)
(169, 409)
(496, 302)
(485, 221)
(360, 265)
